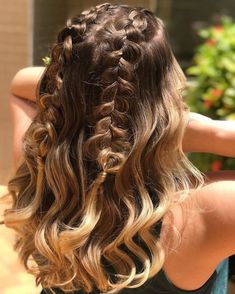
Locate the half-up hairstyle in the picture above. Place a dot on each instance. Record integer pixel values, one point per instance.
(103, 159)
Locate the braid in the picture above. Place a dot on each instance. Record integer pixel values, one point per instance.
(111, 129)
(62, 55)
(49, 120)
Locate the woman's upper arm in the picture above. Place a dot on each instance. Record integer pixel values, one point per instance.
(25, 81)
(210, 136)
(22, 112)
(199, 134)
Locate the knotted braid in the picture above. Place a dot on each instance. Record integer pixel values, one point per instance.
(48, 123)
(63, 54)
(122, 54)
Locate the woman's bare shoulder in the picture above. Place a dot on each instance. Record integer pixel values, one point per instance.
(198, 233)
(218, 198)
(209, 212)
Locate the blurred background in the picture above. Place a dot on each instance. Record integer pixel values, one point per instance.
(202, 34)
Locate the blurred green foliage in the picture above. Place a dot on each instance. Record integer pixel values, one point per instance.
(211, 91)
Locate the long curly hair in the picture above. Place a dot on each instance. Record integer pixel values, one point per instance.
(103, 157)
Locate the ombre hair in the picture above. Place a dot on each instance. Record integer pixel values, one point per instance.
(103, 159)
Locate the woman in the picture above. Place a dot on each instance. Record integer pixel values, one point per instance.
(104, 198)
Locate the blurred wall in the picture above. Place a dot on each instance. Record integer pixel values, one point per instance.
(73, 6)
(48, 17)
(15, 53)
(185, 17)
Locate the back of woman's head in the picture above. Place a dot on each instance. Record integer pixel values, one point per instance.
(103, 158)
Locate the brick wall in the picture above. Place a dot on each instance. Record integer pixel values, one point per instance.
(15, 53)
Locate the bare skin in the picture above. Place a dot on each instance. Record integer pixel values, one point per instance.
(207, 234)
(22, 104)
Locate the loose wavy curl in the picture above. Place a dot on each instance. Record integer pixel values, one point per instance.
(103, 159)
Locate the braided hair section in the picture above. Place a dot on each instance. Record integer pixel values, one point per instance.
(111, 116)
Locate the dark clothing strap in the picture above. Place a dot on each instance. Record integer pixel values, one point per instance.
(160, 284)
